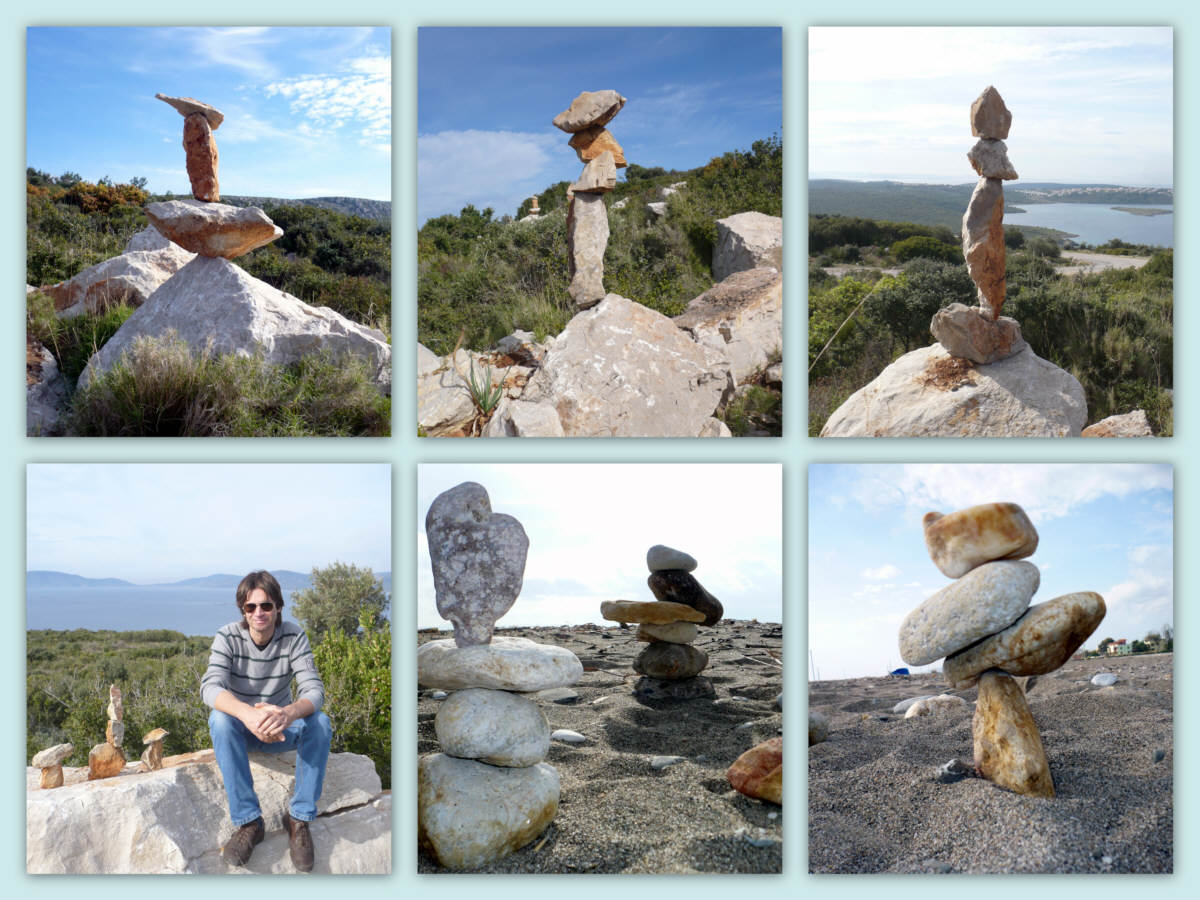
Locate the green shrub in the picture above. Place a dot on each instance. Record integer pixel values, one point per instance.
(341, 597)
(161, 388)
(920, 246)
(357, 672)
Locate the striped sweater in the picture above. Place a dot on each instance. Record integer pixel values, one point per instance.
(262, 676)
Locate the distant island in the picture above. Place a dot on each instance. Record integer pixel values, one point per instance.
(1143, 210)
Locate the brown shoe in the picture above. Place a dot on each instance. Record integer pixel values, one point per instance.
(241, 845)
(299, 843)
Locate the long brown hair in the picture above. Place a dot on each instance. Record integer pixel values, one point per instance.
(264, 581)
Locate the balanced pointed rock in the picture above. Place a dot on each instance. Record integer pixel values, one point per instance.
(1008, 748)
(989, 158)
(968, 538)
(478, 561)
(990, 118)
(213, 229)
(201, 158)
(675, 586)
(599, 176)
(1040, 641)
(187, 106)
(589, 143)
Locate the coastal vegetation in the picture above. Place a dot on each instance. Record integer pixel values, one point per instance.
(1112, 330)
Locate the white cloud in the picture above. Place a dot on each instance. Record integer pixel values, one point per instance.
(329, 102)
(485, 168)
(880, 573)
(244, 49)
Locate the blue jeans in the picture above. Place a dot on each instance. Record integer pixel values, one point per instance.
(232, 742)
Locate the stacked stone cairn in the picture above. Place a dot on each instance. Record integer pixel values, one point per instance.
(487, 793)
(980, 334)
(987, 631)
(107, 759)
(204, 225)
(669, 624)
(587, 217)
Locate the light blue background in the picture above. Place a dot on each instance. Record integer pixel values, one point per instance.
(795, 450)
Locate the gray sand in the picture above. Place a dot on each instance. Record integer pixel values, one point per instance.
(875, 806)
(616, 814)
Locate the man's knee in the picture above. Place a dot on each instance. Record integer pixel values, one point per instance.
(320, 726)
(223, 725)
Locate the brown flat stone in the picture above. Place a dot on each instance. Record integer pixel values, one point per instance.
(651, 612)
(591, 142)
(201, 151)
(187, 106)
(589, 109)
(1008, 748)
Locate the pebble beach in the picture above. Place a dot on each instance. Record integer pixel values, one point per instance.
(876, 804)
(645, 791)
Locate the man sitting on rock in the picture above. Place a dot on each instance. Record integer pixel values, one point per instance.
(247, 684)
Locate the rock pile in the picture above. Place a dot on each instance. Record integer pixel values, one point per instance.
(669, 665)
(981, 334)
(984, 626)
(107, 759)
(209, 303)
(487, 793)
(587, 217)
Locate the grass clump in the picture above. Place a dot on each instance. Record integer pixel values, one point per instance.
(160, 388)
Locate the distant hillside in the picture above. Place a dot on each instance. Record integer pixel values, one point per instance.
(43, 579)
(378, 210)
(943, 204)
(289, 581)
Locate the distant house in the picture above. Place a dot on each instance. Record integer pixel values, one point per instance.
(1119, 648)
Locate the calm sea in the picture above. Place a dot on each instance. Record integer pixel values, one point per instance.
(1097, 223)
(192, 610)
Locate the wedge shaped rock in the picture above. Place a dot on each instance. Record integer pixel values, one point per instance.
(969, 332)
(748, 240)
(187, 106)
(675, 586)
(213, 229)
(1008, 748)
(589, 109)
(1039, 642)
(648, 612)
(470, 814)
(478, 560)
(960, 541)
(506, 664)
(741, 317)
(990, 118)
(591, 143)
(982, 602)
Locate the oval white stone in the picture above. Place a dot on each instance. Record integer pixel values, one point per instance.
(495, 727)
(660, 557)
(506, 664)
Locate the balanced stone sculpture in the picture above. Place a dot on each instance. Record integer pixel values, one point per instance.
(668, 625)
(488, 793)
(981, 334)
(107, 759)
(199, 122)
(587, 217)
(987, 631)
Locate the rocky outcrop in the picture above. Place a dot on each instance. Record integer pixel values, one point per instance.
(623, 370)
(747, 240)
(45, 390)
(216, 307)
(929, 393)
(149, 260)
(741, 317)
(176, 819)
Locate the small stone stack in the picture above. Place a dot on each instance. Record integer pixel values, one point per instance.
(204, 225)
(107, 759)
(984, 626)
(587, 218)
(487, 793)
(669, 625)
(981, 334)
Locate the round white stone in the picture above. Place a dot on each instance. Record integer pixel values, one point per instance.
(495, 727)
(506, 664)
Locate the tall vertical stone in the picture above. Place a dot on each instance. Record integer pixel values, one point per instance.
(587, 238)
(1008, 748)
(201, 149)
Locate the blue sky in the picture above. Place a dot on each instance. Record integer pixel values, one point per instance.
(1102, 528)
(1089, 105)
(307, 110)
(590, 526)
(158, 523)
(486, 97)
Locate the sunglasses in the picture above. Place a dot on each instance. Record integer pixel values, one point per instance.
(251, 607)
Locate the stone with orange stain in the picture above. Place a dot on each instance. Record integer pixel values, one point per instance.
(201, 158)
(1008, 748)
(1039, 642)
(983, 243)
(759, 771)
(969, 332)
(651, 612)
(963, 540)
(105, 761)
(589, 143)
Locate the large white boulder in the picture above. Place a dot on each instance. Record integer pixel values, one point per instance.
(176, 819)
(148, 261)
(214, 306)
(741, 317)
(621, 369)
(747, 240)
(928, 393)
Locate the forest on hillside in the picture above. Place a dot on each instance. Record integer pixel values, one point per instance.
(481, 275)
(324, 258)
(1113, 330)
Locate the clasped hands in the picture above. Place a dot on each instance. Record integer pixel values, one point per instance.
(267, 722)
